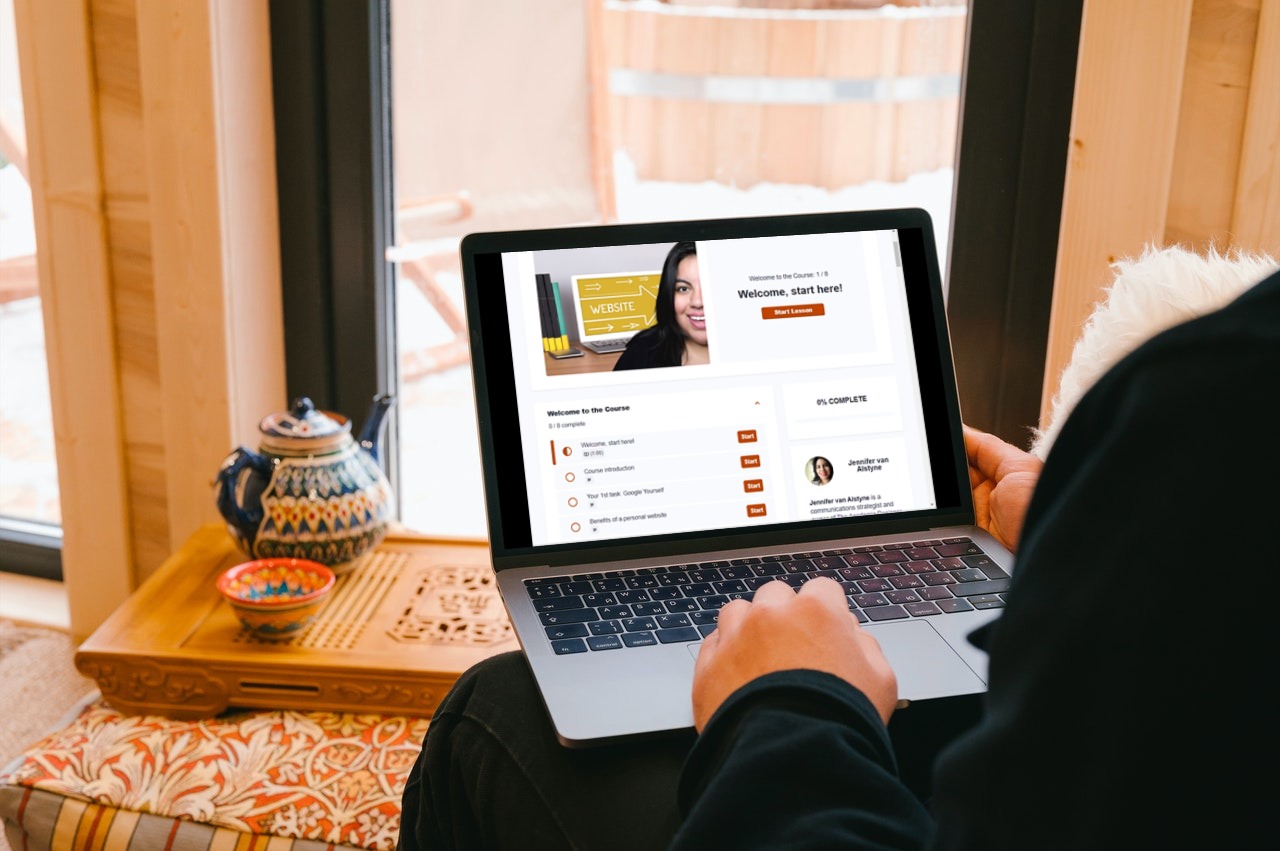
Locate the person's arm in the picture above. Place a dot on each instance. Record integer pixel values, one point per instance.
(791, 697)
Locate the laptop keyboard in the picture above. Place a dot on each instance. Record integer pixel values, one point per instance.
(607, 346)
(671, 604)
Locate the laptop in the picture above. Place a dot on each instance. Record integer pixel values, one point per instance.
(823, 437)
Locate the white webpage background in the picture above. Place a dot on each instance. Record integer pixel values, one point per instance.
(663, 454)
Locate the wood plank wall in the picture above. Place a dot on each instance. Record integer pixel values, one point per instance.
(1175, 139)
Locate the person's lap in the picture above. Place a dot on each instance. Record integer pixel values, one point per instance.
(492, 773)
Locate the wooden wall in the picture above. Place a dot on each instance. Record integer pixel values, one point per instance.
(1175, 139)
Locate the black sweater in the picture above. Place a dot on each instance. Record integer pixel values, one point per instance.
(1129, 703)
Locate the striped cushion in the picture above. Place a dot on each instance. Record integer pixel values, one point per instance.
(294, 780)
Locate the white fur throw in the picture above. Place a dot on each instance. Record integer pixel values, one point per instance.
(1160, 289)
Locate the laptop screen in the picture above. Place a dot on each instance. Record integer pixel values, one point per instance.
(793, 374)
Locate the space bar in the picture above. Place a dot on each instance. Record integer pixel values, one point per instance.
(970, 589)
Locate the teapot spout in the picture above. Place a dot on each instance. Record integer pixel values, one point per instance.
(371, 433)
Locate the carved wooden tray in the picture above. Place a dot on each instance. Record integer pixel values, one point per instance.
(392, 637)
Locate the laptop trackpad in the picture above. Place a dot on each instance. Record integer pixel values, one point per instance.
(926, 665)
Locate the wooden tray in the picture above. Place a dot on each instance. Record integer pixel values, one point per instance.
(392, 637)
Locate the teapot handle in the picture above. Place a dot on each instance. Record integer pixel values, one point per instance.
(245, 519)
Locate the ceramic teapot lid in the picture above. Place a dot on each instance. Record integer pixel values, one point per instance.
(304, 422)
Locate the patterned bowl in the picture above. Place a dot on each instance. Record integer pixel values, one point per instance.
(276, 597)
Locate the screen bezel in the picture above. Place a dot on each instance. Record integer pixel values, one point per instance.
(510, 535)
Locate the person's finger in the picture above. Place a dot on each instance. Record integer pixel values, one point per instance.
(773, 593)
(824, 587)
(731, 614)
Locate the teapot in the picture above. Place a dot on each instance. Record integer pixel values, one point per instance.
(310, 491)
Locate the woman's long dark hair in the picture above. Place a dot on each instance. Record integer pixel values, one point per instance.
(669, 350)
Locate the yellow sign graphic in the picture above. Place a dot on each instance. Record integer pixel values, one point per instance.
(617, 304)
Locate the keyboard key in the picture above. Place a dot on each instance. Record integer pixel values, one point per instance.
(906, 582)
(887, 613)
(639, 639)
(917, 553)
(671, 621)
(676, 635)
(604, 642)
(637, 624)
(941, 578)
(598, 600)
(537, 592)
(641, 609)
(774, 569)
(854, 573)
(569, 630)
(705, 575)
(557, 604)
(626, 598)
(903, 597)
(673, 593)
(865, 601)
(930, 592)
(705, 616)
(994, 571)
(964, 549)
(604, 627)
(736, 571)
(870, 585)
(919, 567)
(969, 574)
(887, 570)
(675, 577)
(986, 601)
(569, 645)
(645, 581)
(615, 612)
(688, 604)
(577, 587)
(990, 586)
(611, 584)
(922, 609)
(712, 601)
(726, 586)
(571, 616)
(706, 629)
(955, 605)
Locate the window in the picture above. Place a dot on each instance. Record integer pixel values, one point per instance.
(402, 126)
(30, 513)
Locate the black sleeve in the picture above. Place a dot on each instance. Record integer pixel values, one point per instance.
(1128, 704)
(797, 759)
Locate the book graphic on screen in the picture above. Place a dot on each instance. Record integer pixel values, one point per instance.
(555, 336)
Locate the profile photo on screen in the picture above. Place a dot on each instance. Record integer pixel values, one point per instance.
(679, 334)
(819, 470)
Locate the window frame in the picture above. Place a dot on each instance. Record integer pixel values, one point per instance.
(332, 91)
(332, 88)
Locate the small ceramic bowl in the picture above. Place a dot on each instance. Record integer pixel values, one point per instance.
(276, 597)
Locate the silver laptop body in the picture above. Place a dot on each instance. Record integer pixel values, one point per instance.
(605, 490)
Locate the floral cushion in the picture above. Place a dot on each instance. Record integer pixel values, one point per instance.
(315, 777)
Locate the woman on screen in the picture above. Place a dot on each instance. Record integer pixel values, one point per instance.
(820, 470)
(679, 335)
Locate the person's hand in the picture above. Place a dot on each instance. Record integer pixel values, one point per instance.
(1002, 477)
(782, 630)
